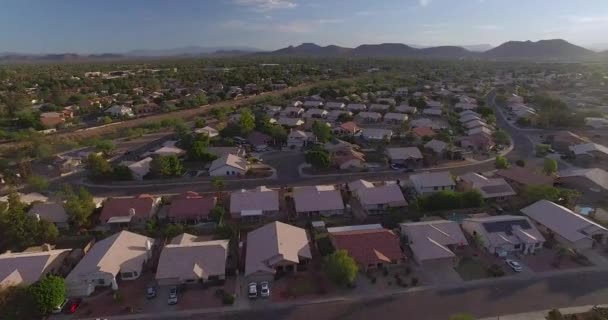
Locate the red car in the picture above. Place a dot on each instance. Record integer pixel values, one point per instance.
(72, 305)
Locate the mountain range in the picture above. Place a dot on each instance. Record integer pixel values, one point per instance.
(543, 50)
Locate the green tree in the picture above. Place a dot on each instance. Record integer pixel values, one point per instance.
(247, 122)
(278, 134)
(341, 268)
(218, 214)
(501, 137)
(501, 162)
(550, 167)
(462, 316)
(520, 163)
(38, 183)
(532, 194)
(471, 199)
(218, 184)
(318, 158)
(105, 146)
(167, 166)
(79, 206)
(98, 166)
(122, 173)
(48, 293)
(321, 131)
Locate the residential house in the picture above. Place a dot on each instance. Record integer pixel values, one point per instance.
(469, 117)
(404, 108)
(333, 115)
(377, 199)
(51, 119)
(437, 146)
(433, 242)
(228, 165)
(433, 104)
(474, 124)
(519, 177)
(426, 183)
(481, 129)
(346, 157)
(190, 260)
(589, 153)
(190, 207)
(318, 200)
(592, 182)
(379, 107)
(467, 113)
(312, 104)
(298, 138)
(275, 248)
(376, 134)
(423, 132)
(125, 211)
(207, 130)
(256, 203)
(596, 123)
(408, 156)
(387, 101)
(566, 226)
(259, 141)
(334, 106)
(224, 151)
(395, 118)
(477, 142)
(272, 111)
(119, 111)
(465, 106)
(52, 212)
(371, 246)
(26, 268)
(505, 234)
(290, 122)
(169, 149)
(401, 92)
(369, 117)
(140, 169)
(122, 254)
(428, 123)
(347, 129)
(434, 112)
(315, 113)
(356, 107)
(490, 188)
(293, 112)
(563, 140)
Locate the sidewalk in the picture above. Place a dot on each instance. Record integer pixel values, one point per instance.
(542, 314)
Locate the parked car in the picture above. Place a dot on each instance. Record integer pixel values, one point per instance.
(60, 307)
(264, 289)
(172, 296)
(72, 305)
(253, 290)
(151, 292)
(514, 265)
(396, 166)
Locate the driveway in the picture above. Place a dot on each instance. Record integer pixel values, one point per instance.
(285, 162)
(442, 274)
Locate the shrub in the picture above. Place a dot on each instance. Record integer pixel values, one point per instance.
(414, 282)
(496, 271)
(555, 315)
(228, 299)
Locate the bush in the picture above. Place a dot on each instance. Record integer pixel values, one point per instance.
(496, 271)
(228, 299)
(414, 281)
(555, 315)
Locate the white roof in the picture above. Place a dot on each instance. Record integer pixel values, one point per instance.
(317, 198)
(429, 240)
(193, 259)
(404, 153)
(229, 160)
(211, 132)
(259, 199)
(141, 167)
(596, 175)
(355, 228)
(25, 268)
(585, 148)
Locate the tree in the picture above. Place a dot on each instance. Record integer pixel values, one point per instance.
(321, 131)
(218, 214)
(38, 183)
(167, 166)
(501, 137)
(219, 184)
(471, 199)
(198, 150)
(550, 167)
(318, 158)
(79, 206)
(122, 173)
(462, 316)
(532, 194)
(501, 163)
(98, 166)
(520, 163)
(105, 146)
(341, 268)
(247, 121)
(278, 134)
(48, 293)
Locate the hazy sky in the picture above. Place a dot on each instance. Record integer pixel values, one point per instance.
(86, 26)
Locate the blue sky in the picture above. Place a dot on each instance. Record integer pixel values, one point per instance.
(87, 26)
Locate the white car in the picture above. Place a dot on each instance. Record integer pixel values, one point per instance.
(514, 265)
(172, 296)
(253, 290)
(264, 289)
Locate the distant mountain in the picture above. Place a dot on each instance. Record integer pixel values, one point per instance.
(384, 50)
(479, 47)
(56, 57)
(446, 52)
(311, 49)
(555, 49)
(187, 51)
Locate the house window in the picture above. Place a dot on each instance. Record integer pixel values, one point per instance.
(435, 188)
(135, 273)
(127, 274)
(101, 281)
(517, 246)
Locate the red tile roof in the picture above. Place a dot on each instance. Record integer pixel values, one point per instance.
(120, 207)
(191, 205)
(368, 247)
(350, 127)
(423, 132)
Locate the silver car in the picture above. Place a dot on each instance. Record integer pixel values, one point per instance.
(172, 296)
(264, 289)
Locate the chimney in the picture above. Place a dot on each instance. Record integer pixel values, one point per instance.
(132, 212)
(46, 247)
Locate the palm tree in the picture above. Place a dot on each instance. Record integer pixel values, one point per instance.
(218, 184)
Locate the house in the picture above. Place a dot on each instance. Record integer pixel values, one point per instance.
(592, 182)
(522, 177)
(437, 146)
(312, 104)
(51, 119)
(435, 112)
(596, 123)
(52, 212)
(568, 227)
(377, 199)
(293, 112)
(522, 111)
(318, 200)
(140, 168)
(395, 118)
(135, 210)
(505, 234)
(228, 165)
(468, 113)
(474, 124)
(224, 151)
(433, 104)
(423, 132)
(348, 128)
(465, 106)
(379, 107)
(256, 203)
(122, 254)
(371, 246)
(401, 92)
(589, 152)
(25, 268)
(563, 140)
(426, 183)
(477, 142)
(169, 149)
(315, 113)
(369, 117)
(356, 107)
(119, 111)
(290, 122)
(334, 115)
(347, 157)
(190, 207)
(187, 260)
(259, 141)
(207, 130)
(376, 134)
(272, 111)
(387, 101)
(433, 242)
(409, 156)
(482, 130)
(490, 188)
(275, 248)
(404, 108)
(334, 106)
(298, 138)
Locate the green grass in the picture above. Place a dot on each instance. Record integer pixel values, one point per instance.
(471, 269)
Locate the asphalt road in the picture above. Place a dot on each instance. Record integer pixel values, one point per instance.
(508, 296)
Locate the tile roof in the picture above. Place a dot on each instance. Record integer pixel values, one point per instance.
(404, 153)
(191, 205)
(433, 179)
(429, 240)
(389, 194)
(261, 198)
(423, 132)
(193, 259)
(489, 188)
(436, 145)
(230, 160)
(317, 198)
(595, 175)
(395, 116)
(121, 207)
(369, 247)
(52, 212)
(525, 176)
(25, 268)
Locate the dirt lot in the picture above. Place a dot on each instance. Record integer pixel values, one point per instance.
(542, 261)
(309, 284)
